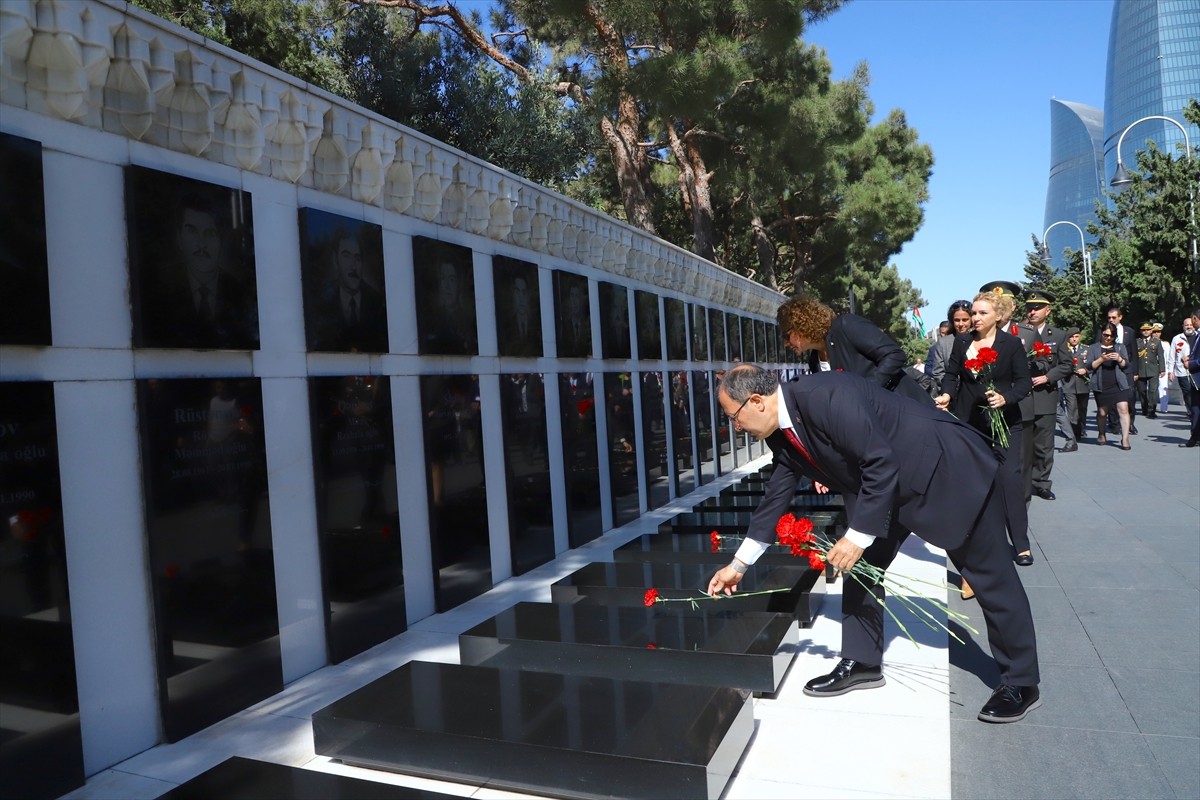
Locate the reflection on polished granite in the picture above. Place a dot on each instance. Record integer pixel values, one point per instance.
(802, 500)
(692, 548)
(746, 650)
(705, 520)
(562, 735)
(625, 584)
(240, 778)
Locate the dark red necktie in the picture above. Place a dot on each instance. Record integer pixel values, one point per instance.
(794, 441)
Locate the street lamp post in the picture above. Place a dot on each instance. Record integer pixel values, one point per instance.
(1121, 178)
(1087, 258)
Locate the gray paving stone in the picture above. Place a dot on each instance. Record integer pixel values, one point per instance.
(1177, 757)
(1162, 701)
(1039, 762)
(1065, 643)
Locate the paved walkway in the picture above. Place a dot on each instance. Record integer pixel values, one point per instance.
(1116, 597)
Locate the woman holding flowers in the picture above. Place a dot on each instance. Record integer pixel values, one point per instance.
(987, 374)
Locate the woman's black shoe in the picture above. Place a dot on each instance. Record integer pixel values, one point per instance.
(1024, 560)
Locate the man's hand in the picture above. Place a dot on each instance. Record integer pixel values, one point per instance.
(1039, 380)
(725, 580)
(820, 488)
(844, 555)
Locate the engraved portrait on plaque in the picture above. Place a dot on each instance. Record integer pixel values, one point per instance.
(518, 307)
(446, 287)
(345, 307)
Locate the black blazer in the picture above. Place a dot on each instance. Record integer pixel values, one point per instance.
(899, 463)
(854, 344)
(1010, 374)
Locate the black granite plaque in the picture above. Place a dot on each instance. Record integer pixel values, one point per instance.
(577, 396)
(676, 324)
(445, 282)
(716, 333)
(240, 778)
(772, 343)
(560, 735)
(744, 650)
(518, 307)
(654, 440)
(24, 278)
(527, 466)
(41, 750)
(702, 409)
(733, 329)
(748, 351)
(614, 315)
(622, 447)
(649, 334)
(341, 269)
(708, 518)
(805, 499)
(626, 584)
(458, 515)
(358, 517)
(699, 314)
(690, 548)
(573, 313)
(760, 341)
(681, 434)
(191, 263)
(209, 530)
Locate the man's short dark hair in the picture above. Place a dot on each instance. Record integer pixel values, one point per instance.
(747, 379)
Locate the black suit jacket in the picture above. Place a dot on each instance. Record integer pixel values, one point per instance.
(1129, 339)
(1010, 374)
(854, 344)
(901, 464)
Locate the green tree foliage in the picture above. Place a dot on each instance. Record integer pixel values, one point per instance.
(1074, 304)
(1144, 240)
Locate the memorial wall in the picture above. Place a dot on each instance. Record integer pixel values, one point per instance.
(279, 377)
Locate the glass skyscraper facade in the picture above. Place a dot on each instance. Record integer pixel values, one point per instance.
(1076, 174)
(1153, 69)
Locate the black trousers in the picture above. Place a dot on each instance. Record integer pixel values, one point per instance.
(985, 560)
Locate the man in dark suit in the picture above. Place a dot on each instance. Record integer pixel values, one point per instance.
(901, 465)
(1047, 370)
(1127, 337)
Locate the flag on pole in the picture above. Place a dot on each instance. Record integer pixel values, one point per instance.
(920, 323)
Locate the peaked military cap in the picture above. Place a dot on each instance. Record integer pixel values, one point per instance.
(1002, 287)
(1039, 296)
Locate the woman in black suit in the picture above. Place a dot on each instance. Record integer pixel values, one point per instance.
(971, 394)
(846, 343)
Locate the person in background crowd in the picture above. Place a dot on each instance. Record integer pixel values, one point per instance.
(1150, 366)
(1193, 367)
(1106, 361)
(1163, 400)
(959, 314)
(1047, 369)
(1073, 391)
(1177, 364)
(1126, 337)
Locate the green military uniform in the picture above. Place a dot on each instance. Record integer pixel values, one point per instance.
(1150, 366)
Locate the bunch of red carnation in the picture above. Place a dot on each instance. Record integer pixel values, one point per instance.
(797, 534)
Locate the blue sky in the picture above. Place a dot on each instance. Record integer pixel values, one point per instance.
(975, 79)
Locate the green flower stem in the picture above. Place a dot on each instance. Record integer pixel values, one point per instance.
(693, 600)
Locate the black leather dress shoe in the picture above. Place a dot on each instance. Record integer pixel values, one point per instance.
(1045, 494)
(1010, 703)
(1191, 443)
(847, 676)
(1024, 560)
(1069, 447)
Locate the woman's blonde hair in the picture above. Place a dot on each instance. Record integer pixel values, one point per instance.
(1004, 305)
(806, 316)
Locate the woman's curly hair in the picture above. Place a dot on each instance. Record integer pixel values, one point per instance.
(806, 316)
(1004, 305)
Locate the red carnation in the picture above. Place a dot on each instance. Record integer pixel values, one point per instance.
(584, 406)
(651, 597)
(783, 528)
(1041, 349)
(987, 355)
(973, 364)
(715, 538)
(815, 561)
(651, 646)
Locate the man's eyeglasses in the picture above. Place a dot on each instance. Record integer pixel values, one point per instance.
(734, 416)
(1106, 336)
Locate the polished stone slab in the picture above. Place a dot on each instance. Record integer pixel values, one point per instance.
(617, 583)
(562, 735)
(803, 500)
(736, 522)
(240, 778)
(745, 650)
(693, 548)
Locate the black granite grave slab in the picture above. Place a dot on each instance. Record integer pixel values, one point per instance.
(240, 778)
(745, 650)
(805, 501)
(736, 522)
(562, 735)
(690, 548)
(625, 584)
